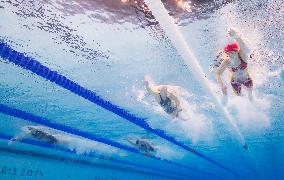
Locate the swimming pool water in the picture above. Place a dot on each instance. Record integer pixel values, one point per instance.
(107, 47)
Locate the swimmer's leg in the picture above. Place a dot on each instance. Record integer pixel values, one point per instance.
(182, 115)
(174, 115)
(149, 83)
(237, 87)
(60, 140)
(250, 96)
(249, 85)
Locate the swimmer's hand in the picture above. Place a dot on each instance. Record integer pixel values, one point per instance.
(12, 141)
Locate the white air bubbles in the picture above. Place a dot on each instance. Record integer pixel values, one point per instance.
(251, 115)
(190, 123)
(74, 143)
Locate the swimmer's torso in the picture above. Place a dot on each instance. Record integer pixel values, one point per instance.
(144, 145)
(238, 67)
(41, 135)
(167, 105)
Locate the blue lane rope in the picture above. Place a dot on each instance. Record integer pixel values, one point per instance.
(59, 148)
(36, 67)
(45, 122)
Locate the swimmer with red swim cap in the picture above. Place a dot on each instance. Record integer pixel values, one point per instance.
(236, 60)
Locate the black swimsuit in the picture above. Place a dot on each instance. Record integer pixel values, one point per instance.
(44, 136)
(167, 105)
(144, 146)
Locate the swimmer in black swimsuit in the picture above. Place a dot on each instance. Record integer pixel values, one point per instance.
(36, 132)
(165, 95)
(168, 102)
(167, 105)
(143, 145)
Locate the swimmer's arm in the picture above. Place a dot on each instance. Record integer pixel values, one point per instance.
(152, 89)
(219, 73)
(155, 92)
(17, 138)
(127, 139)
(245, 51)
(157, 96)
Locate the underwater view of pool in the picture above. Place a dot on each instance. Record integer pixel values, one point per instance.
(144, 89)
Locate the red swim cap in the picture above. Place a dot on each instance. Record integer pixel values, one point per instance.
(232, 47)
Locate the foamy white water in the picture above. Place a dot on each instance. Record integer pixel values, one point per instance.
(190, 124)
(172, 31)
(80, 145)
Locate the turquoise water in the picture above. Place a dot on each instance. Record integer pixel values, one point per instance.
(108, 47)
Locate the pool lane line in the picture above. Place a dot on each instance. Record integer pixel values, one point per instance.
(79, 161)
(53, 125)
(36, 67)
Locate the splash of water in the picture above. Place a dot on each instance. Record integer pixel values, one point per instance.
(165, 152)
(84, 146)
(162, 151)
(191, 124)
(197, 127)
(189, 58)
(257, 117)
(75, 143)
